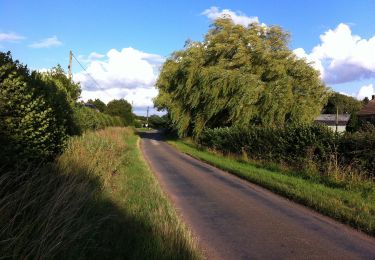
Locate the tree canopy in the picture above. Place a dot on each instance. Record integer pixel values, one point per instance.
(58, 76)
(122, 109)
(342, 103)
(156, 121)
(98, 104)
(238, 76)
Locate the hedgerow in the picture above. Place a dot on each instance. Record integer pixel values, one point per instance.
(299, 146)
(39, 111)
(33, 114)
(357, 150)
(89, 119)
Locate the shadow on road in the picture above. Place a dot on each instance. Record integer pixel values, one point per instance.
(156, 135)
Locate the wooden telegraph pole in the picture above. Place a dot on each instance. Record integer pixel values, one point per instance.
(70, 64)
(337, 119)
(147, 118)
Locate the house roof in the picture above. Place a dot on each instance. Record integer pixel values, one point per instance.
(330, 119)
(91, 106)
(368, 110)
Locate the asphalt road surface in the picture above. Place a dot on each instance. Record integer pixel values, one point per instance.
(234, 219)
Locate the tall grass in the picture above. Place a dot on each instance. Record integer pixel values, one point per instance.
(97, 200)
(46, 212)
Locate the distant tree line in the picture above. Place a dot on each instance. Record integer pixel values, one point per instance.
(342, 104)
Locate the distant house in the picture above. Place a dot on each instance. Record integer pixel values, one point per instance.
(331, 120)
(367, 113)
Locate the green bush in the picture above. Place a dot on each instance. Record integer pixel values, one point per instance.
(357, 149)
(89, 119)
(117, 121)
(122, 109)
(34, 114)
(158, 122)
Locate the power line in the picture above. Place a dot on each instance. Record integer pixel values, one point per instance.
(96, 83)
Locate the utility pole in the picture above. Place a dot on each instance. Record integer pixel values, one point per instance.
(147, 117)
(337, 118)
(336, 139)
(70, 64)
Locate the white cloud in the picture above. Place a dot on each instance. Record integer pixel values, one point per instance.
(128, 74)
(10, 37)
(238, 18)
(43, 70)
(365, 91)
(46, 43)
(342, 57)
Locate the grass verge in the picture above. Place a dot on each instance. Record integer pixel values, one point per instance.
(97, 200)
(350, 204)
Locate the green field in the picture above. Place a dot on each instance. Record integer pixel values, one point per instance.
(353, 204)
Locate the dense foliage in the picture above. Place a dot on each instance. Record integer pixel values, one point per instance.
(357, 149)
(301, 147)
(35, 112)
(38, 111)
(119, 108)
(122, 109)
(342, 104)
(239, 76)
(293, 145)
(89, 119)
(158, 122)
(98, 104)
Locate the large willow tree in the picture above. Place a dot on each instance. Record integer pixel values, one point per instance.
(238, 76)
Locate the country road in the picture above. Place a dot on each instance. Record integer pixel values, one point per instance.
(233, 219)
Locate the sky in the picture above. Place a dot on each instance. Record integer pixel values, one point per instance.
(122, 44)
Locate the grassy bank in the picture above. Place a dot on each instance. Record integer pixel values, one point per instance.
(350, 203)
(97, 200)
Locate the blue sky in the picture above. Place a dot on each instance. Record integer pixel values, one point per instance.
(123, 43)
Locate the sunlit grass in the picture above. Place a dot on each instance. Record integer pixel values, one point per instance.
(351, 204)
